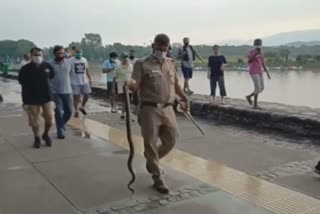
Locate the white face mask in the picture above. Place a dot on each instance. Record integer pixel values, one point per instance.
(37, 59)
(160, 55)
(259, 46)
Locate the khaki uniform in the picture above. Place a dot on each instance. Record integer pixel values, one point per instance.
(156, 86)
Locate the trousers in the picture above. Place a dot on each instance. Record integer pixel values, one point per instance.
(155, 123)
(213, 85)
(63, 111)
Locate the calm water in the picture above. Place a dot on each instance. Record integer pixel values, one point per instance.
(300, 88)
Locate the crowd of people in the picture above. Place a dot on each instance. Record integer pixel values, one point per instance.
(54, 86)
(62, 86)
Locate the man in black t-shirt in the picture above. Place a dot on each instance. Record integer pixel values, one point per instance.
(216, 64)
(36, 94)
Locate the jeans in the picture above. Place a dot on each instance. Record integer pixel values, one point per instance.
(213, 85)
(63, 111)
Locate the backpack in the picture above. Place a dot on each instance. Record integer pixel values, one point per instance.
(185, 55)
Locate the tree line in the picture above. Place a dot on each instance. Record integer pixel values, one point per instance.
(94, 50)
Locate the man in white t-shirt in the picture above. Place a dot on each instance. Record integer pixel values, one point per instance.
(80, 81)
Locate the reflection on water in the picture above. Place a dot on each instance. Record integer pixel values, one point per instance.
(291, 87)
(288, 87)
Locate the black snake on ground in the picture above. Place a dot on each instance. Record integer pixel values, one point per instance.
(129, 136)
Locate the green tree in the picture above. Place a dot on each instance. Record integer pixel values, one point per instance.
(23, 46)
(317, 58)
(92, 39)
(240, 61)
(284, 54)
(74, 44)
(303, 59)
(270, 54)
(14, 49)
(91, 46)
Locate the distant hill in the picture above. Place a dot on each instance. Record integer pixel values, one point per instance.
(299, 44)
(309, 37)
(294, 36)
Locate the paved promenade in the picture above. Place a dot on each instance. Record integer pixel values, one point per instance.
(225, 172)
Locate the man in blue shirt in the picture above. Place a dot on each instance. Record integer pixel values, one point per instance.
(61, 89)
(108, 68)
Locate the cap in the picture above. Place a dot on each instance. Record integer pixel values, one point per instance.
(124, 55)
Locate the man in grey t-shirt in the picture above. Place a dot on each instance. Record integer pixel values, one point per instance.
(61, 89)
(187, 55)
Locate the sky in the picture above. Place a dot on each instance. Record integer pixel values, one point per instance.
(51, 22)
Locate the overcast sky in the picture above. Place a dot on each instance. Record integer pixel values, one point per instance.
(50, 22)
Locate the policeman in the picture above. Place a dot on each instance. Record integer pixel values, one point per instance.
(156, 80)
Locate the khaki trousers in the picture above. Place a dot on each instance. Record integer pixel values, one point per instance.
(35, 111)
(157, 123)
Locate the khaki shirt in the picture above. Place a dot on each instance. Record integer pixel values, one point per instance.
(156, 80)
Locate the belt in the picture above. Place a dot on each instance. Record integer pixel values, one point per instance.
(158, 105)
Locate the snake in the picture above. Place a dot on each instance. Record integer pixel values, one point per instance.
(129, 136)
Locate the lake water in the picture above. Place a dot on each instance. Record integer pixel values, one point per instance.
(300, 88)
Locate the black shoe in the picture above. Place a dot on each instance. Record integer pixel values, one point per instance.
(83, 111)
(317, 168)
(37, 143)
(61, 137)
(148, 168)
(76, 115)
(47, 139)
(161, 187)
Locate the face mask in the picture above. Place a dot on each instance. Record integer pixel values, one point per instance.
(258, 46)
(186, 43)
(131, 57)
(78, 55)
(37, 59)
(160, 55)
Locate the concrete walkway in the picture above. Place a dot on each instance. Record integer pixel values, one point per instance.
(87, 174)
